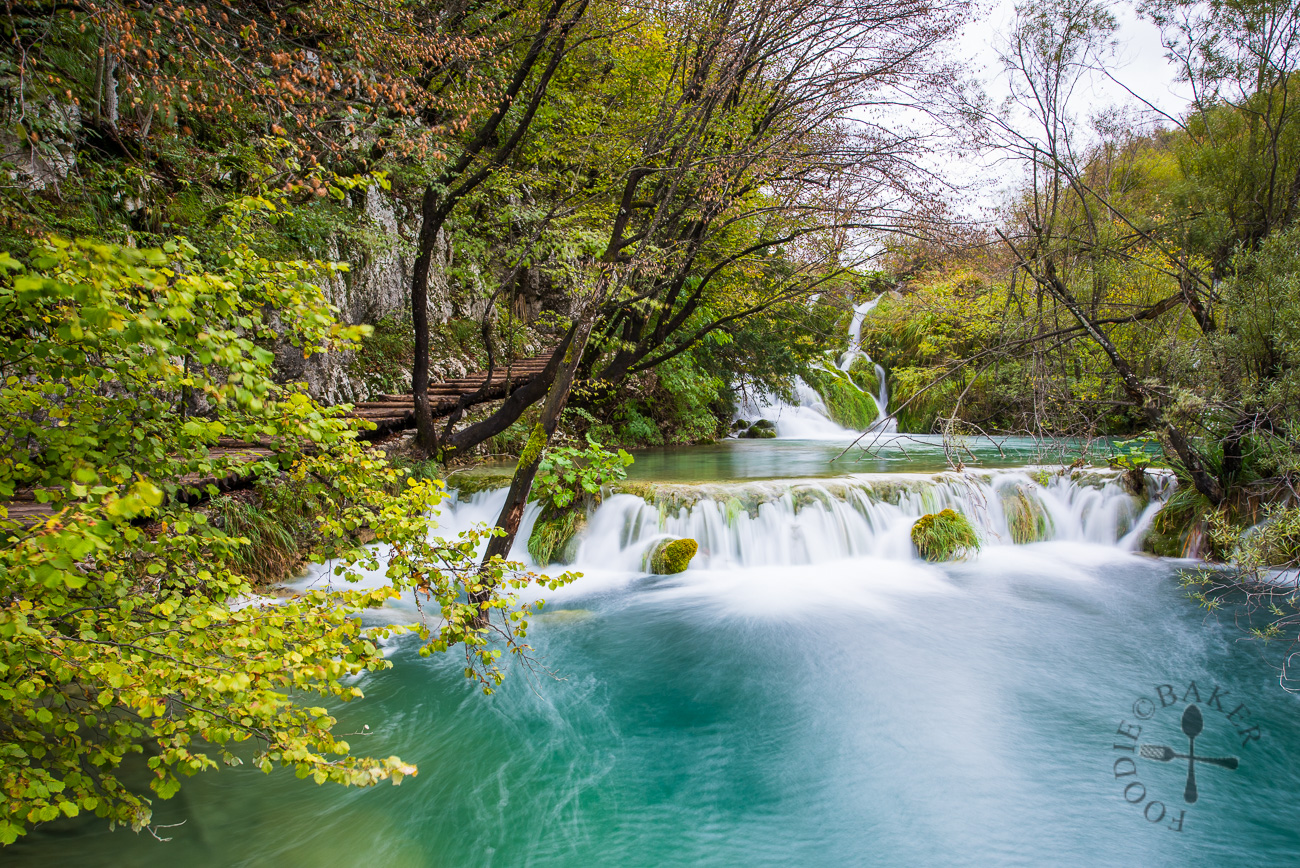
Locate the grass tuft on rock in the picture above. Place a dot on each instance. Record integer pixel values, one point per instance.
(1027, 520)
(672, 556)
(556, 534)
(944, 536)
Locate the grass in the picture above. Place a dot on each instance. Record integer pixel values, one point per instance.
(1182, 520)
(943, 536)
(555, 534)
(1026, 518)
(277, 539)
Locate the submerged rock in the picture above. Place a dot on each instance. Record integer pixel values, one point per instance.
(470, 481)
(671, 556)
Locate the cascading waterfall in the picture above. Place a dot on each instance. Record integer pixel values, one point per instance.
(884, 422)
(808, 418)
(805, 420)
(795, 522)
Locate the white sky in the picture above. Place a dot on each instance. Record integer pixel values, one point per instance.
(1140, 65)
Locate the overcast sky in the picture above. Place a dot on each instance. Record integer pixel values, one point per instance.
(1140, 65)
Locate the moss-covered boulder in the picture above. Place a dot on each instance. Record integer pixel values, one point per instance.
(557, 533)
(671, 556)
(863, 372)
(756, 433)
(1027, 519)
(846, 404)
(944, 536)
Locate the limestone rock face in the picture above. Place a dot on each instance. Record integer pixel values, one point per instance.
(377, 285)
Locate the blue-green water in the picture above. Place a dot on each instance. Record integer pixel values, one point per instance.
(860, 712)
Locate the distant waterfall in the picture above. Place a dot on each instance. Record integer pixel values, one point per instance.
(884, 422)
(807, 418)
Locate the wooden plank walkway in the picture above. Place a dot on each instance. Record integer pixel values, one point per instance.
(391, 413)
(397, 412)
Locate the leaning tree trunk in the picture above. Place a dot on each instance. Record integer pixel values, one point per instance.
(1204, 481)
(512, 512)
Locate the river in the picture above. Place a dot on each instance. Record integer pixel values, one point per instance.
(807, 693)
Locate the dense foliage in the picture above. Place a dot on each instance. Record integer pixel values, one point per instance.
(1141, 280)
(131, 625)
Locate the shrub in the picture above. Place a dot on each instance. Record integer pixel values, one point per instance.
(566, 472)
(129, 621)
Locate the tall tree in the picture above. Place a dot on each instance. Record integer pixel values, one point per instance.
(492, 139)
(749, 173)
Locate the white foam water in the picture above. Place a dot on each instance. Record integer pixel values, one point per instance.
(797, 522)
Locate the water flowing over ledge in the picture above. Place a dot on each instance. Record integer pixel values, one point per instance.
(794, 522)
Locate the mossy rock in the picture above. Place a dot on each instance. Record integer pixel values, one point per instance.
(557, 533)
(863, 373)
(764, 425)
(1027, 520)
(847, 405)
(671, 556)
(739, 425)
(757, 433)
(944, 536)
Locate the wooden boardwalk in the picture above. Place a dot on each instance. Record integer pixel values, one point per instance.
(390, 413)
(397, 412)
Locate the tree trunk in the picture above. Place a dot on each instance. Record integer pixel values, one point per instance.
(512, 512)
(426, 436)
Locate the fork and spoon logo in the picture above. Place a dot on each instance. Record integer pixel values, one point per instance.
(1196, 702)
(1193, 724)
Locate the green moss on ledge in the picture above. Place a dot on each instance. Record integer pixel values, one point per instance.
(672, 556)
(846, 404)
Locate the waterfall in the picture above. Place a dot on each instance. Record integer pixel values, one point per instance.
(854, 348)
(884, 422)
(808, 419)
(792, 522)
